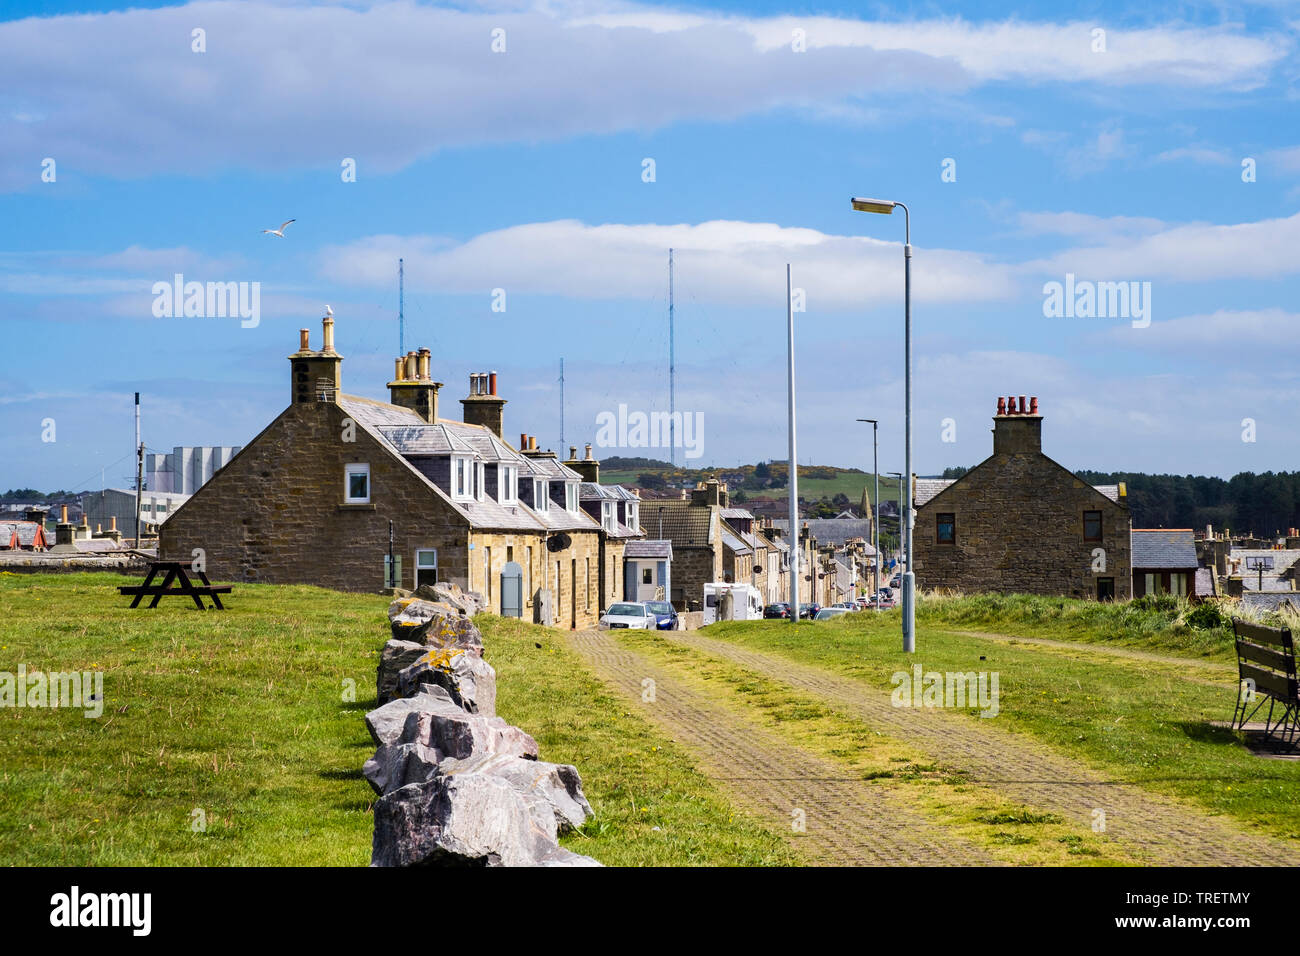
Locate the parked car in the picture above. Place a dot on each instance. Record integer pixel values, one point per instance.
(808, 611)
(637, 617)
(665, 615)
(827, 613)
(779, 610)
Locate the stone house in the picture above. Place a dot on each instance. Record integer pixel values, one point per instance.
(1020, 522)
(1164, 562)
(618, 512)
(694, 525)
(324, 492)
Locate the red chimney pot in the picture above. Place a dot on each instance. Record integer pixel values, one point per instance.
(1002, 405)
(1033, 405)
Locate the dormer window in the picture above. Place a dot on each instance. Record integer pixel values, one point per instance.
(507, 484)
(480, 481)
(541, 499)
(607, 519)
(462, 477)
(571, 496)
(634, 515)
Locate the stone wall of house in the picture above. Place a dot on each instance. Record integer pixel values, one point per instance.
(693, 566)
(555, 571)
(276, 514)
(1019, 528)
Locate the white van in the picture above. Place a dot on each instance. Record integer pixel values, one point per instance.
(731, 602)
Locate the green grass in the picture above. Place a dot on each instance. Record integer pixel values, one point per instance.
(242, 714)
(1156, 624)
(1134, 720)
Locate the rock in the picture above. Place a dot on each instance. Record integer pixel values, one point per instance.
(395, 765)
(562, 857)
(470, 680)
(455, 733)
(433, 624)
(470, 602)
(471, 819)
(386, 723)
(557, 784)
(395, 657)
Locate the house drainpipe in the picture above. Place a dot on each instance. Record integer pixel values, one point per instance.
(392, 568)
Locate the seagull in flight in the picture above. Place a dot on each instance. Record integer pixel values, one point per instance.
(279, 232)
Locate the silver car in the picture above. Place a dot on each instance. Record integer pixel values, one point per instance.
(627, 616)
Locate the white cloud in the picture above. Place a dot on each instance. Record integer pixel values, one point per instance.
(1272, 329)
(1195, 252)
(1197, 154)
(734, 262)
(1086, 225)
(122, 93)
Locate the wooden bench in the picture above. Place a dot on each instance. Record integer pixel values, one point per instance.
(175, 571)
(1267, 671)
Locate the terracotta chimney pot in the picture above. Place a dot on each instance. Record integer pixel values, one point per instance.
(304, 340)
(492, 382)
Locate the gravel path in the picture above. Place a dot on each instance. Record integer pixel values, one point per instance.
(848, 821)
(1156, 828)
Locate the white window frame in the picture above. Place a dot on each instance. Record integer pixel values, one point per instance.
(349, 470)
(462, 477)
(480, 480)
(541, 495)
(634, 516)
(419, 567)
(507, 484)
(607, 516)
(571, 497)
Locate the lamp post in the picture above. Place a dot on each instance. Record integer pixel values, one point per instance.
(794, 466)
(875, 500)
(885, 207)
(898, 476)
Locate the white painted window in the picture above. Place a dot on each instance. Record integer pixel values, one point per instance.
(634, 515)
(462, 477)
(480, 481)
(426, 566)
(541, 495)
(356, 483)
(571, 496)
(607, 519)
(507, 484)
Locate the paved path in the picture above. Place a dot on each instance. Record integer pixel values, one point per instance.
(849, 821)
(1154, 827)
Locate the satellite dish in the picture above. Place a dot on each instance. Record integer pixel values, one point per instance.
(560, 542)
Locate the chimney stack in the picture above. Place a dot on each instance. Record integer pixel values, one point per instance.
(412, 387)
(1017, 427)
(484, 407)
(315, 376)
(587, 467)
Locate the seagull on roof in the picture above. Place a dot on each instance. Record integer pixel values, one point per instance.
(329, 311)
(279, 232)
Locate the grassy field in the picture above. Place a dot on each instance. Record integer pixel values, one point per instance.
(239, 721)
(1143, 721)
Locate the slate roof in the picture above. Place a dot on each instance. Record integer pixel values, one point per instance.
(831, 530)
(406, 433)
(731, 540)
(736, 513)
(26, 533)
(1163, 549)
(923, 489)
(660, 550)
(1276, 578)
(1270, 600)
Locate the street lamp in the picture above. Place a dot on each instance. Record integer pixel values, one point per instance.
(875, 499)
(886, 207)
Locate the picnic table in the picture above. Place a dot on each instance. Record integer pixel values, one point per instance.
(175, 571)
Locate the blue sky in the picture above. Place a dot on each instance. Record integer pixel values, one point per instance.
(523, 171)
